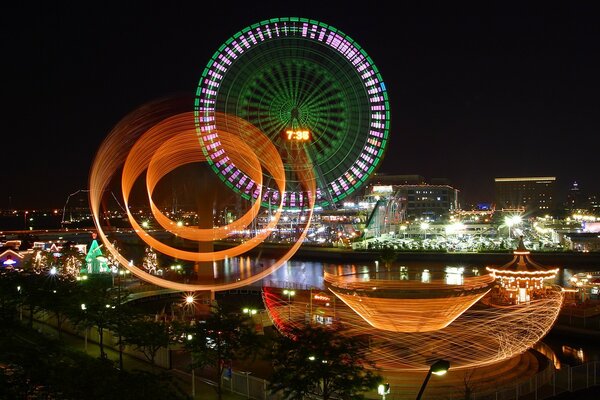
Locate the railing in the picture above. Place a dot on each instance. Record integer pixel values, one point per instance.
(543, 385)
(549, 383)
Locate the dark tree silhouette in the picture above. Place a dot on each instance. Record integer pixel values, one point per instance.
(319, 362)
(219, 340)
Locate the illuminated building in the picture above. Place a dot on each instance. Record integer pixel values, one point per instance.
(522, 279)
(432, 201)
(534, 194)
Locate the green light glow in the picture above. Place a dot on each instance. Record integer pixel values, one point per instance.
(299, 74)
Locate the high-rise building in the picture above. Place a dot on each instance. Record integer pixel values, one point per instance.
(575, 198)
(533, 194)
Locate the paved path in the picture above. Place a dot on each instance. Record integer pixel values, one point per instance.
(203, 388)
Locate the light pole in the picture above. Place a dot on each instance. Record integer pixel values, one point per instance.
(290, 294)
(511, 221)
(424, 227)
(403, 229)
(383, 389)
(190, 337)
(83, 308)
(20, 303)
(190, 303)
(440, 367)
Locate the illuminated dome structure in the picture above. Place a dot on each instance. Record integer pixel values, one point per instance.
(402, 305)
(521, 279)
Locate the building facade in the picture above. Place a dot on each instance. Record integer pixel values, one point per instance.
(419, 199)
(533, 194)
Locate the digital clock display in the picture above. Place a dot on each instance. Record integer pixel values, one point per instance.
(297, 136)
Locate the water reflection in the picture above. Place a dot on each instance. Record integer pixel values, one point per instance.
(454, 275)
(310, 273)
(426, 277)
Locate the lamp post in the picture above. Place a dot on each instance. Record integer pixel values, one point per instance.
(83, 308)
(190, 304)
(383, 389)
(190, 337)
(424, 226)
(290, 294)
(511, 221)
(440, 367)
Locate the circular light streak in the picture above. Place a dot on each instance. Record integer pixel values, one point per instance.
(482, 335)
(300, 75)
(408, 306)
(157, 138)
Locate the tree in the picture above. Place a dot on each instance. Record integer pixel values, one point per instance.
(10, 298)
(34, 290)
(320, 362)
(147, 336)
(387, 256)
(61, 300)
(98, 303)
(219, 340)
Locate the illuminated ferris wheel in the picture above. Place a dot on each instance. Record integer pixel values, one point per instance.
(309, 88)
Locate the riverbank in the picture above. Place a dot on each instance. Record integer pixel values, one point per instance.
(345, 255)
(336, 254)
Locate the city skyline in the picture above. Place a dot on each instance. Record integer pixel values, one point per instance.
(474, 95)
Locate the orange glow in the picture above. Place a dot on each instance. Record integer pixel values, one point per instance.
(480, 336)
(161, 145)
(408, 306)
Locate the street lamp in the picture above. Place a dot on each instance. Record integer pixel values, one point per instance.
(84, 308)
(440, 367)
(249, 311)
(191, 337)
(383, 389)
(424, 227)
(511, 221)
(290, 294)
(403, 229)
(190, 303)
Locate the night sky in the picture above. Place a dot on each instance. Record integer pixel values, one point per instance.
(475, 93)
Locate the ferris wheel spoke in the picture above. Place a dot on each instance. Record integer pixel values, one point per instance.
(288, 78)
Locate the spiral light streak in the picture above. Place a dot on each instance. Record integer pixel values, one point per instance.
(481, 336)
(157, 138)
(408, 306)
(184, 149)
(180, 130)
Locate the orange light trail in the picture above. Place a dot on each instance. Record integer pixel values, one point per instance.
(408, 306)
(482, 335)
(147, 141)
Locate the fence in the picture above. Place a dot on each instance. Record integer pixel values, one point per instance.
(550, 383)
(544, 385)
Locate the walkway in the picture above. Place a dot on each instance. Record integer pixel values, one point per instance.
(203, 388)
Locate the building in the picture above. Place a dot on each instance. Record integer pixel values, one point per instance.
(417, 198)
(535, 195)
(575, 199)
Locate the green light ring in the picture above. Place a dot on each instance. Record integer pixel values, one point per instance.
(272, 30)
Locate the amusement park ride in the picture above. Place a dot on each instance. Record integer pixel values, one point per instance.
(292, 114)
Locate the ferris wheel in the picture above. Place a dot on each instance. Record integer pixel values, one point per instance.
(311, 90)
